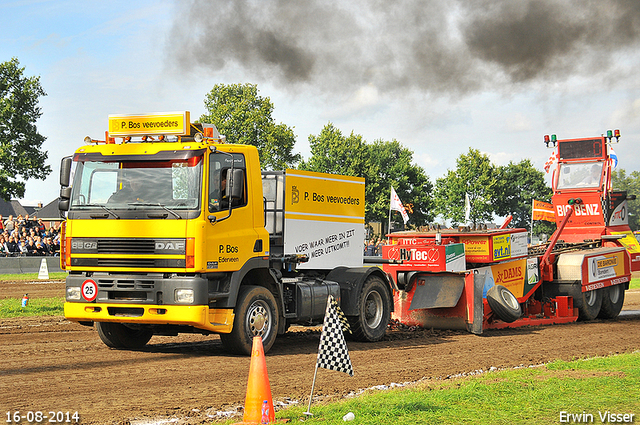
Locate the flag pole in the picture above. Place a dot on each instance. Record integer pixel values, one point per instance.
(532, 206)
(308, 412)
(389, 230)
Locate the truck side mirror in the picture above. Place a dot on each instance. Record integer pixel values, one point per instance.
(65, 171)
(63, 204)
(235, 189)
(64, 199)
(65, 190)
(631, 197)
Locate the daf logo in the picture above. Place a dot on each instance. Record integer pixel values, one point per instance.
(161, 246)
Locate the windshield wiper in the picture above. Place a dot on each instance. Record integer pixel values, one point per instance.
(151, 204)
(110, 211)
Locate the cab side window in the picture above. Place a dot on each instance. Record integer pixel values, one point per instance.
(219, 172)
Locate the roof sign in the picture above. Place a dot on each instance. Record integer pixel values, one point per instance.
(167, 123)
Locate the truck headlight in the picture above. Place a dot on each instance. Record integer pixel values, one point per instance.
(73, 293)
(184, 296)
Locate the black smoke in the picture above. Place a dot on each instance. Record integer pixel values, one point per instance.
(432, 46)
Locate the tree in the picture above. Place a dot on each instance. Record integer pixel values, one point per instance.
(20, 142)
(391, 164)
(381, 164)
(244, 117)
(630, 183)
(474, 176)
(331, 152)
(519, 185)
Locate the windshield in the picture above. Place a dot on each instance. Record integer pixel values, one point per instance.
(577, 175)
(135, 183)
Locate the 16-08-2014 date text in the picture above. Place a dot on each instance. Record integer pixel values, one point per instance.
(36, 417)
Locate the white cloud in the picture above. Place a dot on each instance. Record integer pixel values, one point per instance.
(518, 122)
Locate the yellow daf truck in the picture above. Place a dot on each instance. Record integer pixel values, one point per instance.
(170, 230)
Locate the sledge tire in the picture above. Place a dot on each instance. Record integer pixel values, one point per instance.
(504, 304)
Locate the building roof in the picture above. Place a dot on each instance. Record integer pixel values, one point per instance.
(12, 207)
(49, 211)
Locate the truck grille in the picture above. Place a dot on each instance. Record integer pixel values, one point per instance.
(128, 246)
(137, 246)
(117, 252)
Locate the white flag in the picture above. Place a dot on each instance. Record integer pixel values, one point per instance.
(396, 205)
(467, 208)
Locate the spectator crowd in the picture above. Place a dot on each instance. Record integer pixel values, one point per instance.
(373, 248)
(28, 236)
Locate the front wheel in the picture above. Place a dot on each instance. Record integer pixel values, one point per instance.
(374, 309)
(612, 301)
(256, 314)
(117, 335)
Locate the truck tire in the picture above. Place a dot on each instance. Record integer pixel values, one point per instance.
(374, 306)
(117, 335)
(256, 314)
(589, 305)
(612, 301)
(504, 304)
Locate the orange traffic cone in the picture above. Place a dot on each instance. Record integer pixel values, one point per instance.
(258, 404)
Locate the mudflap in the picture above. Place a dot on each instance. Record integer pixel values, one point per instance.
(443, 300)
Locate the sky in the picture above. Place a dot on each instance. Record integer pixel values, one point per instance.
(439, 76)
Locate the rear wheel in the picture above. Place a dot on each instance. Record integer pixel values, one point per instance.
(117, 335)
(504, 304)
(589, 305)
(374, 307)
(256, 315)
(612, 301)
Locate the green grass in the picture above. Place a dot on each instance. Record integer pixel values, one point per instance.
(521, 396)
(12, 307)
(634, 284)
(20, 277)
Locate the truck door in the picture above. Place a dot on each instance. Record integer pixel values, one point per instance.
(229, 232)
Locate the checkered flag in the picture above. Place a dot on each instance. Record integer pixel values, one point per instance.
(344, 323)
(333, 353)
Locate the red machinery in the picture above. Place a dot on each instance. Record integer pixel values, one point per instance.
(480, 279)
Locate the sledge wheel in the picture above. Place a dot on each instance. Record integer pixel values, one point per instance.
(504, 304)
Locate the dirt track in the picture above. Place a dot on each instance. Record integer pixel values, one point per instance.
(51, 364)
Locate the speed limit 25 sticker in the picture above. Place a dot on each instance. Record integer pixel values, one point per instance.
(89, 290)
